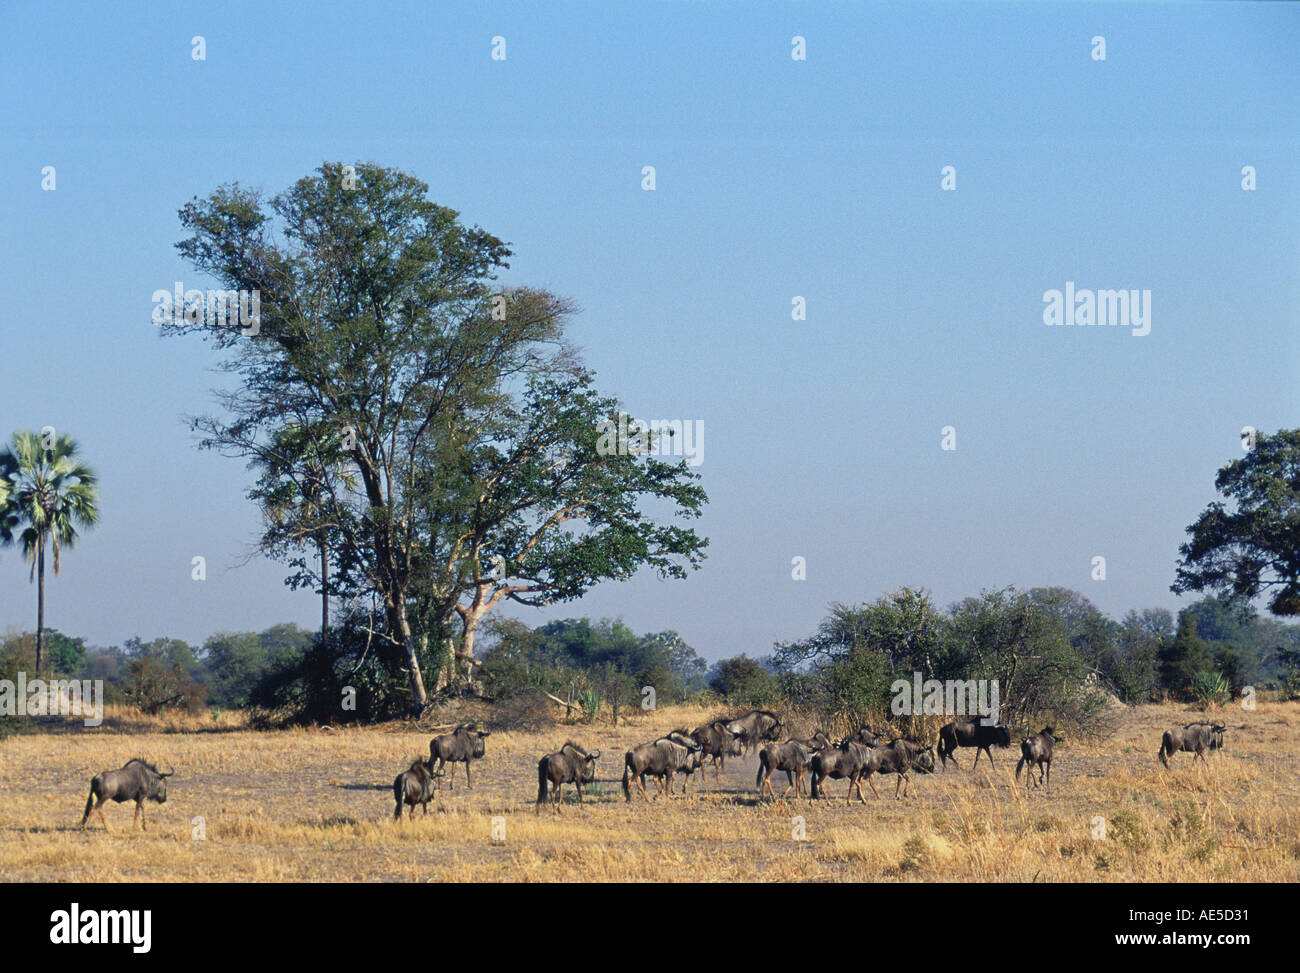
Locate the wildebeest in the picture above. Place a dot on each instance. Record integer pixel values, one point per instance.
(755, 727)
(899, 757)
(1195, 738)
(973, 733)
(569, 765)
(414, 786)
(461, 745)
(718, 742)
(660, 759)
(793, 757)
(136, 781)
(688, 762)
(848, 760)
(1037, 752)
(866, 736)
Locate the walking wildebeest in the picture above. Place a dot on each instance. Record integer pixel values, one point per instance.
(793, 757)
(568, 765)
(1194, 737)
(414, 786)
(897, 757)
(660, 759)
(971, 734)
(461, 745)
(136, 781)
(848, 760)
(718, 742)
(755, 727)
(1037, 752)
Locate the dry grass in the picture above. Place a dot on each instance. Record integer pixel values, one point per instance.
(316, 805)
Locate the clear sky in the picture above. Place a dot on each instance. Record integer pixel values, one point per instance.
(775, 178)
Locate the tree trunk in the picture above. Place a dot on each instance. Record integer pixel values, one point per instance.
(324, 589)
(401, 629)
(40, 602)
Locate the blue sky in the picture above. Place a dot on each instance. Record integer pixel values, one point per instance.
(775, 178)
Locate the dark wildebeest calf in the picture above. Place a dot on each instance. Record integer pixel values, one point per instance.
(660, 759)
(568, 765)
(1037, 752)
(414, 786)
(461, 745)
(793, 757)
(1195, 738)
(136, 781)
(718, 742)
(755, 727)
(971, 734)
(897, 757)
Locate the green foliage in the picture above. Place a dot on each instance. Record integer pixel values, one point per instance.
(428, 430)
(743, 681)
(45, 495)
(1210, 688)
(1250, 545)
(1183, 657)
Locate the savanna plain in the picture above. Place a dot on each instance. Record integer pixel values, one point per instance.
(316, 804)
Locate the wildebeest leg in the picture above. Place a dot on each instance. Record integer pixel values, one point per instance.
(467, 780)
(1049, 774)
(100, 808)
(640, 782)
(580, 792)
(139, 807)
(872, 784)
(977, 759)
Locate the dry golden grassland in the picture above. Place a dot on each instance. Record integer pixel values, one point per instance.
(317, 805)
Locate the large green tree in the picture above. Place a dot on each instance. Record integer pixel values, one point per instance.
(1249, 544)
(48, 493)
(385, 348)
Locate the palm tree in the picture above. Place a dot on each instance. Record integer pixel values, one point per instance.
(47, 494)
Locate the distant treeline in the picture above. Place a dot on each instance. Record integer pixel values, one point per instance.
(1049, 648)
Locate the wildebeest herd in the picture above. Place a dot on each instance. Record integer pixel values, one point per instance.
(808, 762)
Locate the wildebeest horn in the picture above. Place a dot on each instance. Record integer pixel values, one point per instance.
(170, 771)
(595, 755)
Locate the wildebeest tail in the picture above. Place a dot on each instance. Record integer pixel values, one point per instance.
(762, 767)
(627, 769)
(1163, 753)
(399, 792)
(89, 803)
(543, 766)
(1020, 766)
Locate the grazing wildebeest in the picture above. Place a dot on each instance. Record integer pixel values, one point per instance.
(1195, 738)
(660, 759)
(755, 727)
(136, 781)
(1037, 752)
(849, 759)
(971, 734)
(897, 757)
(569, 765)
(793, 757)
(461, 745)
(718, 742)
(414, 786)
